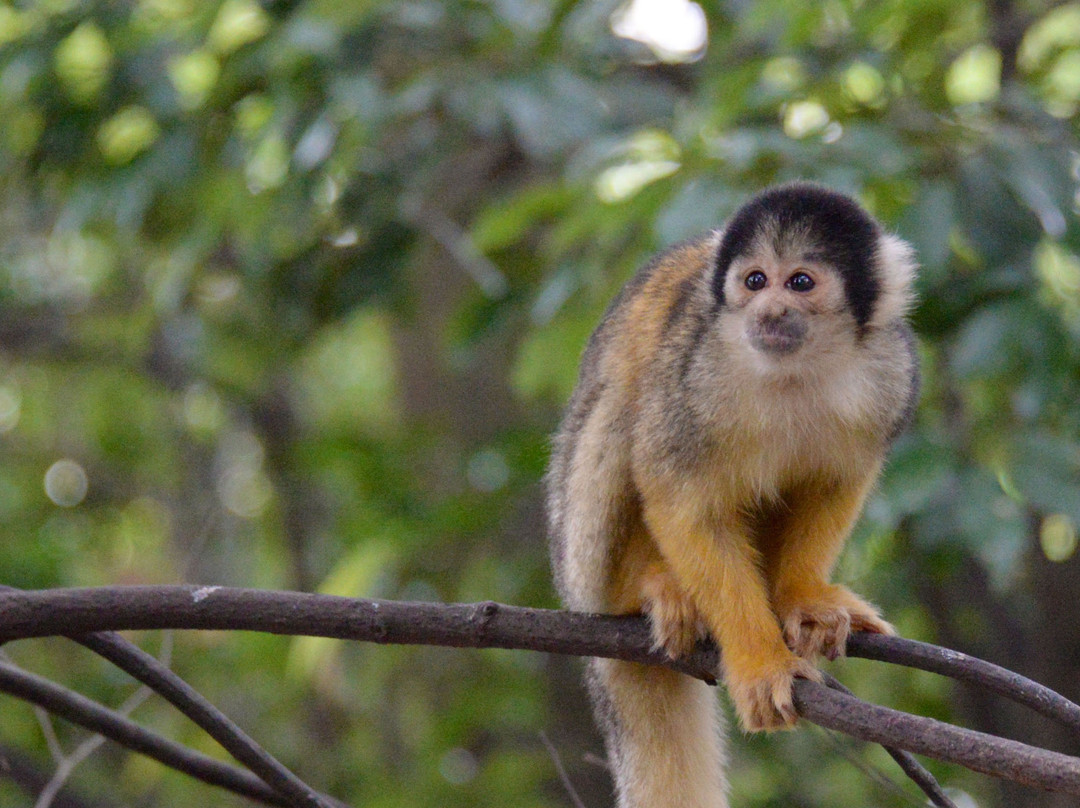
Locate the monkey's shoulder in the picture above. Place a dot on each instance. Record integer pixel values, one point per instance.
(653, 302)
(622, 352)
(660, 289)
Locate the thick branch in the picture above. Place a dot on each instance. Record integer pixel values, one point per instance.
(69, 612)
(490, 625)
(975, 750)
(968, 669)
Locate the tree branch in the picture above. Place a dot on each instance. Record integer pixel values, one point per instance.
(489, 625)
(960, 666)
(906, 761)
(975, 750)
(68, 612)
(110, 724)
(147, 669)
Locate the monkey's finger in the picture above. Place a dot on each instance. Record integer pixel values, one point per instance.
(786, 710)
(871, 623)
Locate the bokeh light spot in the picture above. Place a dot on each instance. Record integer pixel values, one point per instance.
(1057, 536)
(66, 483)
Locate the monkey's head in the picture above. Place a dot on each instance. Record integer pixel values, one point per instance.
(800, 267)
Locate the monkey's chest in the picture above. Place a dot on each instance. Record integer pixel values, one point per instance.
(760, 465)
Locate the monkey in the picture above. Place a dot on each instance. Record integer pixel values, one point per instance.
(733, 411)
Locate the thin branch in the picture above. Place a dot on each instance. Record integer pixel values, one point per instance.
(48, 731)
(490, 625)
(459, 245)
(847, 748)
(67, 763)
(906, 761)
(975, 750)
(26, 773)
(112, 725)
(560, 770)
(965, 668)
(148, 670)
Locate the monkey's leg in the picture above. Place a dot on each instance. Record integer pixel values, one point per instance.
(676, 623)
(816, 615)
(719, 571)
(663, 733)
(641, 582)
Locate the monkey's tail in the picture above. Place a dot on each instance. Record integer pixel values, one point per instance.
(664, 735)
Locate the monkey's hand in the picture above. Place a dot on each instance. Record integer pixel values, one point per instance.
(675, 621)
(818, 620)
(761, 690)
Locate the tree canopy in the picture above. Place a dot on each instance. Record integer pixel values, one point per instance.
(292, 294)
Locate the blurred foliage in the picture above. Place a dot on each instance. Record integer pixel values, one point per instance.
(291, 295)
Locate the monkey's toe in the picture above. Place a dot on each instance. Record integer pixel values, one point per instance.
(674, 619)
(871, 621)
(812, 632)
(765, 702)
(820, 623)
(674, 630)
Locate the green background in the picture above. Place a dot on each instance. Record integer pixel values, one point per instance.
(291, 296)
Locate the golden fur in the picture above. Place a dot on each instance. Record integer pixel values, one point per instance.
(707, 474)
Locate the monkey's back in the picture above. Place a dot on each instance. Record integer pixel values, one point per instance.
(591, 452)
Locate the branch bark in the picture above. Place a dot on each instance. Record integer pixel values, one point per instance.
(68, 612)
(975, 750)
(71, 612)
(145, 668)
(90, 715)
(966, 668)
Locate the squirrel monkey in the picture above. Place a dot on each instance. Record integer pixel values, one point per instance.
(733, 411)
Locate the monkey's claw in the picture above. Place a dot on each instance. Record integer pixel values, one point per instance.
(763, 701)
(821, 624)
(675, 621)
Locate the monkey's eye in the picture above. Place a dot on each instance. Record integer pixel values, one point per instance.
(756, 280)
(800, 282)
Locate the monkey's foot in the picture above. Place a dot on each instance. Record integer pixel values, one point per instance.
(819, 622)
(763, 699)
(675, 621)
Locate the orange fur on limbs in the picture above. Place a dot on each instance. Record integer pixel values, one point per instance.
(733, 412)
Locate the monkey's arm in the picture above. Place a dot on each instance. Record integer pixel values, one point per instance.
(817, 615)
(718, 569)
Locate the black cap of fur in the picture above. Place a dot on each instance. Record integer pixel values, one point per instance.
(844, 234)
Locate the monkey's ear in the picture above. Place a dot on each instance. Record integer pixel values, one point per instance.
(896, 269)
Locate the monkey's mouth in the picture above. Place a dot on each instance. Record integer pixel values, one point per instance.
(778, 335)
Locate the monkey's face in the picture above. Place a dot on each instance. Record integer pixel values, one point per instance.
(782, 303)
